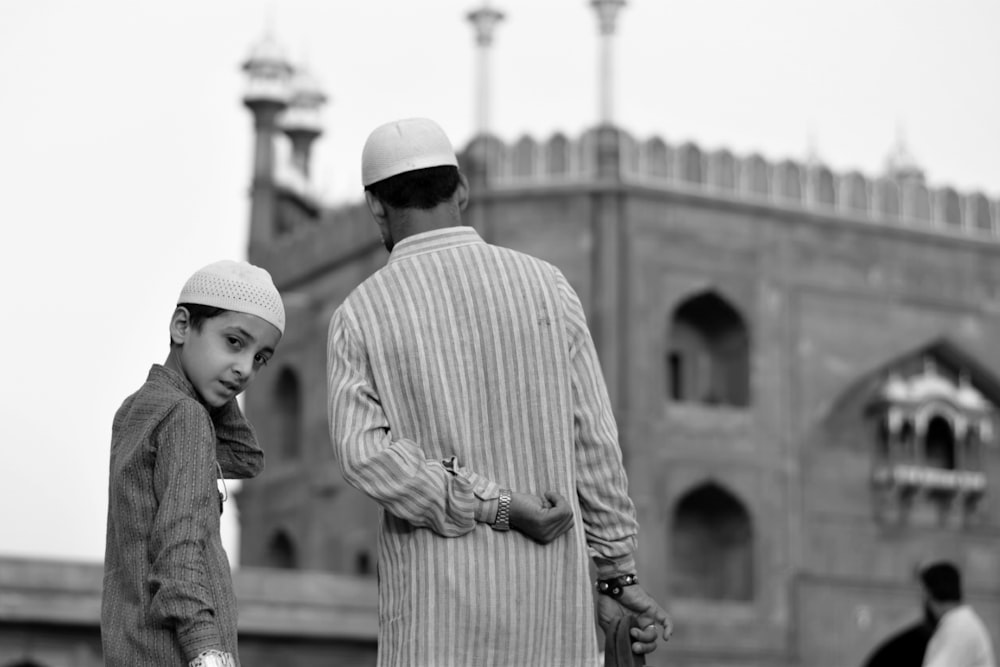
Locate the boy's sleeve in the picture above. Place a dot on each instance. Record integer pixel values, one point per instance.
(236, 448)
(602, 487)
(184, 479)
(439, 495)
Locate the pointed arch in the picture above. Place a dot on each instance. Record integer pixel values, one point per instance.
(939, 443)
(708, 353)
(712, 546)
(288, 413)
(281, 551)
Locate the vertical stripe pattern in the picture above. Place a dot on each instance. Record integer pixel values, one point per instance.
(168, 592)
(460, 351)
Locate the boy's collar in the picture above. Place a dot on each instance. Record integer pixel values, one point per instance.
(174, 379)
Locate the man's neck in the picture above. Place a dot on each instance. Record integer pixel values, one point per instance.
(418, 221)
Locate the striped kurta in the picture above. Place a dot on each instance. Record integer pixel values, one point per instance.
(458, 369)
(168, 592)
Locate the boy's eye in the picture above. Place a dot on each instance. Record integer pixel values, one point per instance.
(260, 360)
(235, 342)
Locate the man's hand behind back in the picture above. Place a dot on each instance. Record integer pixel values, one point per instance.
(651, 615)
(542, 518)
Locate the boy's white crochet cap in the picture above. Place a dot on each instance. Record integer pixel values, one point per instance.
(237, 286)
(404, 145)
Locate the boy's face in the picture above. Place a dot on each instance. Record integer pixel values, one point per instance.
(223, 357)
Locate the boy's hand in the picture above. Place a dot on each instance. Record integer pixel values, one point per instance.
(543, 519)
(637, 601)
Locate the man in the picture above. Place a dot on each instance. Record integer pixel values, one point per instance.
(466, 398)
(960, 638)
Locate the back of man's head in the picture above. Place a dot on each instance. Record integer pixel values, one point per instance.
(943, 581)
(409, 163)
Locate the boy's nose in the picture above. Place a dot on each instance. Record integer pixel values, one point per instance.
(243, 367)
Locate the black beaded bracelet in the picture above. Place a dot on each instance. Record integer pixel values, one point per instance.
(615, 586)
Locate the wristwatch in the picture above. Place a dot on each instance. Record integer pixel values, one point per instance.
(502, 522)
(213, 658)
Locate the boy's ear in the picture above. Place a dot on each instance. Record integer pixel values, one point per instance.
(180, 325)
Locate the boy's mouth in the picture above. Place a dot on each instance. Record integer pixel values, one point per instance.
(235, 388)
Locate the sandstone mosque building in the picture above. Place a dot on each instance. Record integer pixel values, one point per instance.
(804, 365)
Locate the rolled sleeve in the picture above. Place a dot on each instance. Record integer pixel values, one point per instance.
(393, 471)
(237, 451)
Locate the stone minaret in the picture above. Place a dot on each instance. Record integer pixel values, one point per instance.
(266, 95)
(607, 14)
(301, 120)
(484, 20)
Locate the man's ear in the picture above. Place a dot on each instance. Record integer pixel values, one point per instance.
(462, 191)
(380, 213)
(180, 325)
(375, 206)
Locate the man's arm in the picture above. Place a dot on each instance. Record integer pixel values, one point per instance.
(602, 487)
(438, 495)
(184, 478)
(236, 449)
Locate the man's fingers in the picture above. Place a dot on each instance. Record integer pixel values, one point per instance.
(642, 648)
(654, 616)
(645, 634)
(557, 500)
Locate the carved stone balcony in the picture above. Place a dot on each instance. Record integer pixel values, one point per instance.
(933, 480)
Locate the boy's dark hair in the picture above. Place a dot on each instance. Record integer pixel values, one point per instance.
(943, 582)
(197, 314)
(420, 188)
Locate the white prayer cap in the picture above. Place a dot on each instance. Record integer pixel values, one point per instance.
(404, 145)
(237, 286)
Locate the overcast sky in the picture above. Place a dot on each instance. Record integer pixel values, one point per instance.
(125, 155)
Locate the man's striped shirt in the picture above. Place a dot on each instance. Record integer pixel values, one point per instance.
(458, 369)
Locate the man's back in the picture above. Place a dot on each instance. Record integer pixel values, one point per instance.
(479, 356)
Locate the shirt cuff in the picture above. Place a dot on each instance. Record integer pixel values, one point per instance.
(198, 638)
(608, 568)
(486, 511)
(486, 490)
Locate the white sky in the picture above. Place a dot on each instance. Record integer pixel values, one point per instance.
(125, 155)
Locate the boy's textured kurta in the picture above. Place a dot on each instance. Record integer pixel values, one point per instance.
(461, 349)
(168, 591)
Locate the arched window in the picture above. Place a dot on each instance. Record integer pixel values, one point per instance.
(712, 546)
(708, 359)
(363, 563)
(939, 444)
(288, 413)
(281, 552)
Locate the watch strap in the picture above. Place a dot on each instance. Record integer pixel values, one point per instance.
(502, 522)
(213, 658)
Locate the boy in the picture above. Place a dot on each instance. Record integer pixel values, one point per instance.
(168, 594)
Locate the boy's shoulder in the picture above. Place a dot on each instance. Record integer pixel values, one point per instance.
(157, 398)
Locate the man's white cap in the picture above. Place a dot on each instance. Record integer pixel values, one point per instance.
(237, 286)
(404, 145)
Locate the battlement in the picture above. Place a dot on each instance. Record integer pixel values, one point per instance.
(901, 199)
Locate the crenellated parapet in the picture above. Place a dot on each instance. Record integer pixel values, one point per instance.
(900, 199)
